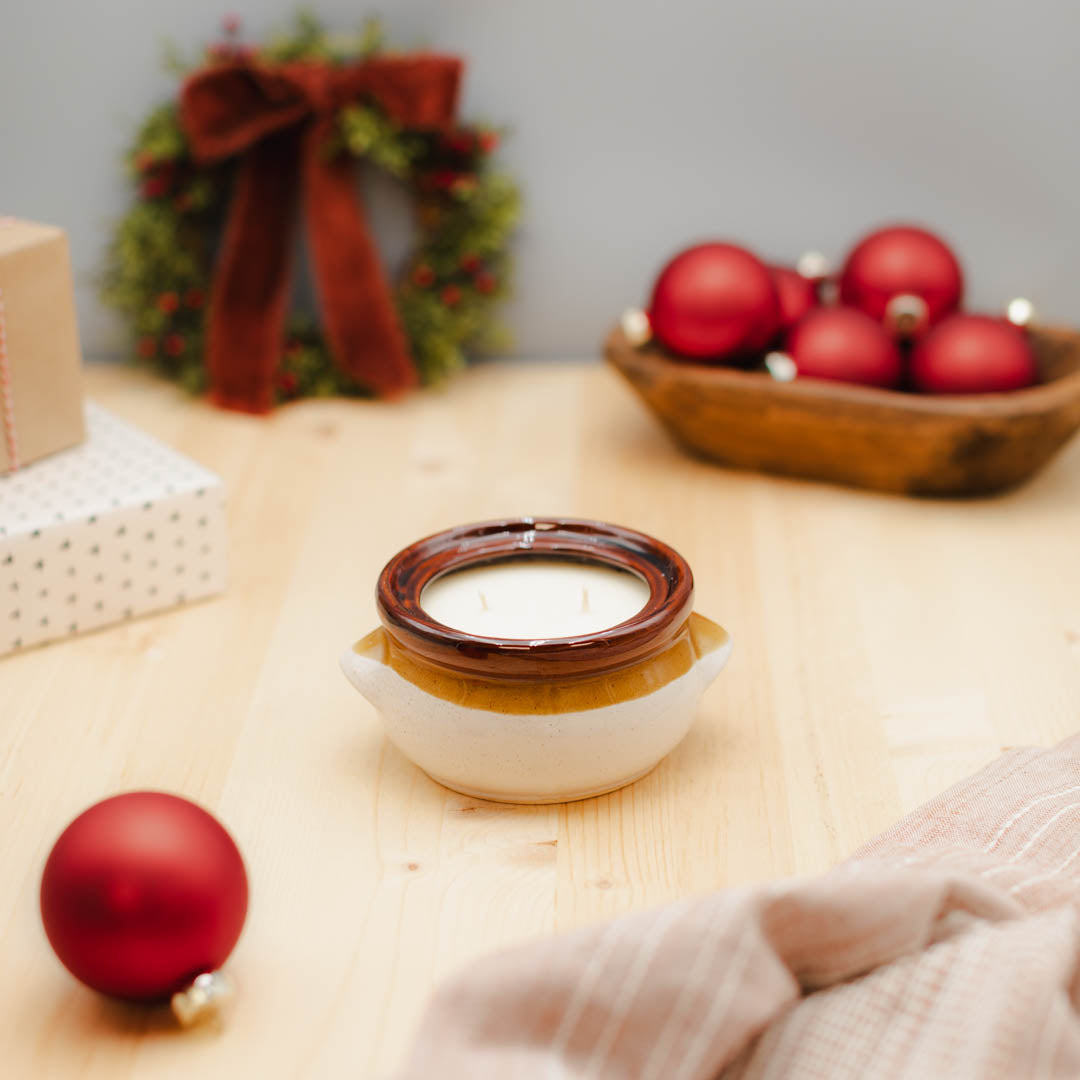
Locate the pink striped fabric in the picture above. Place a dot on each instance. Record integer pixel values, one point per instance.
(947, 947)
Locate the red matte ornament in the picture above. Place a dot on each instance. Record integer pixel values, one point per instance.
(714, 302)
(796, 294)
(846, 345)
(973, 354)
(902, 261)
(141, 893)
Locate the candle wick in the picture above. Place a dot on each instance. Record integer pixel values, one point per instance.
(584, 600)
(483, 600)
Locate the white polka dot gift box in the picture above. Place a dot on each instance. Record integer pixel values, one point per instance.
(117, 527)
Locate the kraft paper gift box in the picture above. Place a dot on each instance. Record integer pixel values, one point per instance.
(115, 528)
(41, 398)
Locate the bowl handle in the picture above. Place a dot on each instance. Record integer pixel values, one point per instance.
(712, 647)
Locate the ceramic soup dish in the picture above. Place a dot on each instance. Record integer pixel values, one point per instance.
(537, 720)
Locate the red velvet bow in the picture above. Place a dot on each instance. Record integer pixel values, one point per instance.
(280, 118)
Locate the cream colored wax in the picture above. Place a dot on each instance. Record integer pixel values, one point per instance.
(532, 599)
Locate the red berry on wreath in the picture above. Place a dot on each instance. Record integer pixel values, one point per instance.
(460, 142)
(175, 344)
(973, 354)
(714, 302)
(450, 296)
(423, 276)
(484, 282)
(470, 262)
(488, 141)
(846, 345)
(287, 382)
(142, 893)
(153, 187)
(168, 302)
(147, 347)
(902, 261)
(796, 295)
(440, 179)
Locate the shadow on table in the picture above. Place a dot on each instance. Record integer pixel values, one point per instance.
(89, 1018)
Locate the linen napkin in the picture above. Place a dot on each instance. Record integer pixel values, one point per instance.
(947, 947)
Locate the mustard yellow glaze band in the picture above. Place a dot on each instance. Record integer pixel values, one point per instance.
(698, 637)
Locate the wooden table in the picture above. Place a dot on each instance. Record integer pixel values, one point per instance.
(884, 648)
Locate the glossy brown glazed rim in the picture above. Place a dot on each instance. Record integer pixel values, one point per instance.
(664, 570)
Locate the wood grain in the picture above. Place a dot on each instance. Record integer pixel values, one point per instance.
(868, 437)
(884, 647)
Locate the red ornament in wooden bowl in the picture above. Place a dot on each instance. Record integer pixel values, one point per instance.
(902, 262)
(973, 354)
(797, 295)
(714, 302)
(846, 345)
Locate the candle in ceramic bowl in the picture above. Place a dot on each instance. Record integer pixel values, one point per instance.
(537, 660)
(535, 598)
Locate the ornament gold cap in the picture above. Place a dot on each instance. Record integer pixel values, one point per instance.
(203, 999)
(781, 366)
(813, 265)
(829, 292)
(906, 315)
(636, 326)
(1020, 312)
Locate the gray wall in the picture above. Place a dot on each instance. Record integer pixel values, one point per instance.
(639, 127)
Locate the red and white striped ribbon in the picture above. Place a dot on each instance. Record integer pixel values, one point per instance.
(7, 403)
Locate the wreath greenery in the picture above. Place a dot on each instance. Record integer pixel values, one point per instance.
(159, 262)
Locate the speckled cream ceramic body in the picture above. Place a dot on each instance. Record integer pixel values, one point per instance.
(544, 741)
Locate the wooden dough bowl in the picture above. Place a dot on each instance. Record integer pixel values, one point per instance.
(887, 440)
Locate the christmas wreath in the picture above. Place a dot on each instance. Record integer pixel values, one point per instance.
(200, 266)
